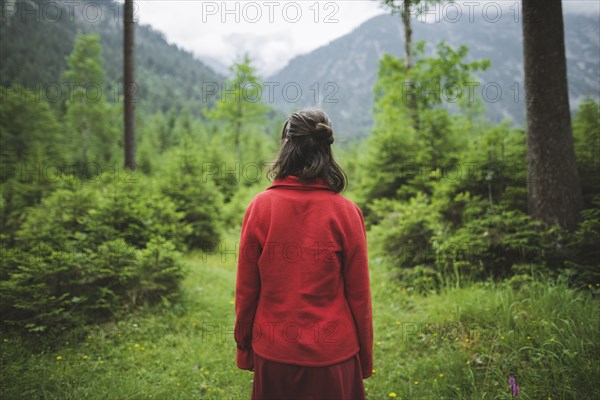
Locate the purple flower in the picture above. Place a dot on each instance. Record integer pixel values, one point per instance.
(513, 386)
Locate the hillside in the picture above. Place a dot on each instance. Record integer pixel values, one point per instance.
(34, 44)
(351, 63)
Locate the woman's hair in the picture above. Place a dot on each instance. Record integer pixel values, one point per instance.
(305, 150)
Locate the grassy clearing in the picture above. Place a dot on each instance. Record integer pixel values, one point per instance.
(461, 344)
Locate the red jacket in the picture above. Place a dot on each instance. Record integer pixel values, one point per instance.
(302, 290)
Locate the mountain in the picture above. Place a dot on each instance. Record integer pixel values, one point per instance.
(36, 38)
(349, 65)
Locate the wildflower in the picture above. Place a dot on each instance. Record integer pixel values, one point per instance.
(397, 322)
(392, 395)
(441, 375)
(466, 340)
(374, 370)
(468, 362)
(136, 345)
(143, 348)
(513, 385)
(58, 358)
(528, 337)
(85, 357)
(231, 301)
(501, 337)
(416, 382)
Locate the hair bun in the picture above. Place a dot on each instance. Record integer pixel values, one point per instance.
(325, 132)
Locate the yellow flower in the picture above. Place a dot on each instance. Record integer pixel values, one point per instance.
(231, 301)
(392, 395)
(501, 337)
(143, 348)
(378, 343)
(397, 322)
(58, 358)
(136, 345)
(441, 375)
(416, 382)
(468, 362)
(85, 357)
(528, 337)
(374, 370)
(590, 286)
(466, 340)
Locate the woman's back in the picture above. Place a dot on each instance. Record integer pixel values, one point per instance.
(303, 301)
(309, 239)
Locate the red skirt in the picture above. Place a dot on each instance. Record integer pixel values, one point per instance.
(278, 381)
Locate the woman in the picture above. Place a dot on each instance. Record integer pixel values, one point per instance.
(303, 300)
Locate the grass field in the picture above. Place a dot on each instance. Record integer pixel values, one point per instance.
(464, 343)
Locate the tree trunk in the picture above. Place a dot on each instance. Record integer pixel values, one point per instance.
(411, 97)
(129, 84)
(407, 34)
(554, 192)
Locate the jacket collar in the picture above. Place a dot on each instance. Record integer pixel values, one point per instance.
(293, 182)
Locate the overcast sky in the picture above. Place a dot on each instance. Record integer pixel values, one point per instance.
(273, 32)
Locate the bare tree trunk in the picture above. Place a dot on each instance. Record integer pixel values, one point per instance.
(407, 34)
(411, 97)
(554, 192)
(129, 84)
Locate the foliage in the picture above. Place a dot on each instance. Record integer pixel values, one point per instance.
(397, 149)
(88, 111)
(241, 105)
(91, 251)
(448, 206)
(31, 157)
(586, 135)
(185, 181)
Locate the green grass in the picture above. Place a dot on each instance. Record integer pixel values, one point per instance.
(463, 343)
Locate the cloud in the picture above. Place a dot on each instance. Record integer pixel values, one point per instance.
(274, 32)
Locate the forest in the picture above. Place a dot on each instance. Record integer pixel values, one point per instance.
(119, 252)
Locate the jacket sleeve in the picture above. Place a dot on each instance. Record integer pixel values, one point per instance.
(247, 289)
(358, 291)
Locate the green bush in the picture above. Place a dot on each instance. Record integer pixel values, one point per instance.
(196, 197)
(90, 251)
(405, 231)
